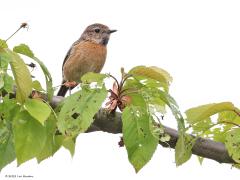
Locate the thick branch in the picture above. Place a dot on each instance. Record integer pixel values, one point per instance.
(203, 147)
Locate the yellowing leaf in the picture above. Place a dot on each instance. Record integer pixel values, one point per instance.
(202, 112)
(23, 49)
(3, 44)
(22, 76)
(37, 86)
(152, 72)
(38, 109)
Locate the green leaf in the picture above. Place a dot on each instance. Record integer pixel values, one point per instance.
(93, 77)
(152, 72)
(29, 137)
(22, 77)
(7, 152)
(8, 108)
(3, 44)
(23, 49)
(48, 79)
(1, 81)
(37, 86)
(69, 144)
(37, 109)
(49, 147)
(233, 144)
(183, 149)
(8, 83)
(138, 136)
(83, 105)
(4, 60)
(202, 112)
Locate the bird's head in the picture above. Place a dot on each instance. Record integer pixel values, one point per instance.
(97, 33)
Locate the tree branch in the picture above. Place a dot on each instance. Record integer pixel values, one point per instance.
(112, 123)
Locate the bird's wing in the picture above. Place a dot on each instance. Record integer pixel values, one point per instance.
(70, 52)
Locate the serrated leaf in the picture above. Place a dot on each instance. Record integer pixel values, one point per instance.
(83, 105)
(3, 44)
(29, 137)
(233, 144)
(49, 147)
(153, 72)
(22, 77)
(183, 149)
(7, 152)
(69, 144)
(93, 77)
(138, 136)
(37, 86)
(23, 49)
(205, 111)
(37, 109)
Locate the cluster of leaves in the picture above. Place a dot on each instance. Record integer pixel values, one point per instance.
(217, 121)
(30, 128)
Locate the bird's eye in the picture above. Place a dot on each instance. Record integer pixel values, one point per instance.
(97, 30)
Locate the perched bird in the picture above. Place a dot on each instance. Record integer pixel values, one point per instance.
(87, 54)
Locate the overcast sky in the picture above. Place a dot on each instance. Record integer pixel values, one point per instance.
(198, 42)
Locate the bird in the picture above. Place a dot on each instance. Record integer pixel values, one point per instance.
(87, 54)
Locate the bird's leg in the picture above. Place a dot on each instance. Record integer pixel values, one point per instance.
(70, 84)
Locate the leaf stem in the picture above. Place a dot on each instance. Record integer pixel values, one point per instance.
(115, 79)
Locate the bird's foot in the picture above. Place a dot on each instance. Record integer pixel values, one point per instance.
(70, 84)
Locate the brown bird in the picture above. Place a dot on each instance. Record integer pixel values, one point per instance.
(87, 54)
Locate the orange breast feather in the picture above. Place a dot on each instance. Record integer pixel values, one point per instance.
(84, 57)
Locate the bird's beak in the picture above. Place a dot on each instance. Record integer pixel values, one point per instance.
(111, 31)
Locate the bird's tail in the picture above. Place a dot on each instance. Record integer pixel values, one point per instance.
(63, 90)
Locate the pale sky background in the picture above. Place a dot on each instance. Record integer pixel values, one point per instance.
(198, 42)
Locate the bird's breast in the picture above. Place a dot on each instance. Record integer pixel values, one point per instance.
(85, 57)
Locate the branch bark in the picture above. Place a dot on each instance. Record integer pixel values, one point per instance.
(112, 123)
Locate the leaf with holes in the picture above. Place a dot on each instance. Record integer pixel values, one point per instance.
(139, 136)
(77, 113)
(233, 144)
